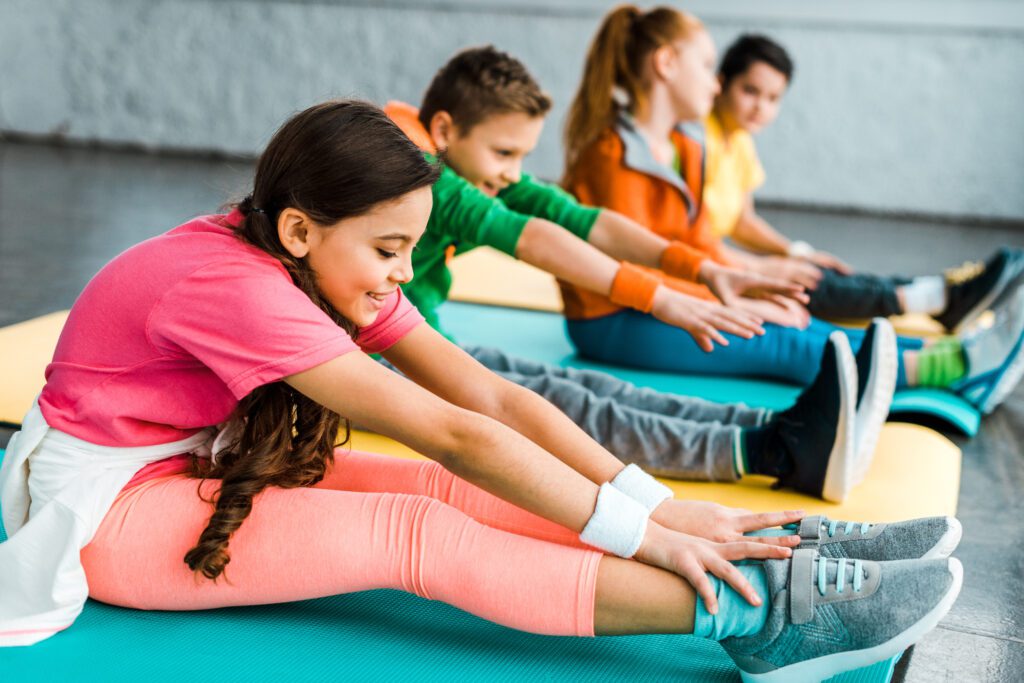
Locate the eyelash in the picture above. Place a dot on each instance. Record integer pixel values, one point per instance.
(387, 254)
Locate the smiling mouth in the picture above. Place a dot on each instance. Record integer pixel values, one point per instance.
(379, 297)
(489, 189)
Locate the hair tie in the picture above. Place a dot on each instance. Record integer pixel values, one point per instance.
(620, 96)
(246, 206)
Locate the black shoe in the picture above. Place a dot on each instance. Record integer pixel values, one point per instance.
(973, 288)
(810, 446)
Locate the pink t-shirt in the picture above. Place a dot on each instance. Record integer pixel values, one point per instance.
(170, 335)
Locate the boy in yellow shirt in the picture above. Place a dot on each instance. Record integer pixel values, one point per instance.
(754, 74)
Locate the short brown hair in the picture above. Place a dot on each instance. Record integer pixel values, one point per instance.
(479, 82)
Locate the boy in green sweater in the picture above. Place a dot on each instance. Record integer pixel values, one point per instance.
(481, 115)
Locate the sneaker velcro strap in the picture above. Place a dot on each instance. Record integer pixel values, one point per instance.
(810, 528)
(801, 585)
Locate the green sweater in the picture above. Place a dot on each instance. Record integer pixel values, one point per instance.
(467, 218)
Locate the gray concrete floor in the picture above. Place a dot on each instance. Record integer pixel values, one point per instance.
(66, 212)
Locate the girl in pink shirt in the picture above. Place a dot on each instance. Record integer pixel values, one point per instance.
(260, 322)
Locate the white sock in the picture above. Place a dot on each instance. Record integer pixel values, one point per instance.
(925, 295)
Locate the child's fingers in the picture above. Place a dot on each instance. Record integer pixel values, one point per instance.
(786, 541)
(750, 550)
(702, 338)
(693, 573)
(766, 520)
(734, 577)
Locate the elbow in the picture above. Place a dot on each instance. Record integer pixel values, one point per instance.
(464, 434)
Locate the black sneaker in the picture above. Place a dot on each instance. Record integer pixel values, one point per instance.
(811, 445)
(877, 364)
(974, 287)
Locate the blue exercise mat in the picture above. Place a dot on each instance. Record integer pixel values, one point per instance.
(541, 336)
(380, 635)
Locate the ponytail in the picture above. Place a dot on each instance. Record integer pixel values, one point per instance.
(613, 74)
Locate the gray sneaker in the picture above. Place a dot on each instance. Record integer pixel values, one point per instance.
(829, 616)
(926, 538)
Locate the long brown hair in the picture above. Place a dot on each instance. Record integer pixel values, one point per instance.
(615, 63)
(333, 161)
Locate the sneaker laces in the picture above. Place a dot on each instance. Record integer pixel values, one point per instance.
(840, 580)
(833, 526)
(968, 270)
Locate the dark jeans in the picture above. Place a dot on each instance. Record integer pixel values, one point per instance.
(860, 295)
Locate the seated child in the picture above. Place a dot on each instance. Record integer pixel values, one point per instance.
(754, 75)
(482, 114)
(202, 446)
(645, 75)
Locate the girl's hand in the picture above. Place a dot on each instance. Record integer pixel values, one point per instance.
(795, 270)
(786, 312)
(724, 524)
(703, 319)
(824, 259)
(691, 557)
(729, 284)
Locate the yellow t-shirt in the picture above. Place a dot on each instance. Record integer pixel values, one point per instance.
(732, 171)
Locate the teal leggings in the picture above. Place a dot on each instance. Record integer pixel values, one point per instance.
(639, 340)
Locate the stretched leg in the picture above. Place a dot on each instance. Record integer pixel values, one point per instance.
(605, 385)
(360, 472)
(860, 295)
(305, 543)
(639, 340)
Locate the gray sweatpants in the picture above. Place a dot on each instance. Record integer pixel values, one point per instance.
(668, 435)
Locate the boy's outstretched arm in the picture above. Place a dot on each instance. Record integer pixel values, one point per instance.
(756, 234)
(625, 239)
(557, 251)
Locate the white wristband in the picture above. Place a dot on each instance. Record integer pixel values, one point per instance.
(618, 524)
(641, 487)
(800, 249)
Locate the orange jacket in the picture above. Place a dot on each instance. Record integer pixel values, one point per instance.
(617, 172)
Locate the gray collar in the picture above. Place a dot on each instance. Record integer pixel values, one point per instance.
(638, 156)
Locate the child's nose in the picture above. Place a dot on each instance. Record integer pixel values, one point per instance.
(513, 173)
(403, 273)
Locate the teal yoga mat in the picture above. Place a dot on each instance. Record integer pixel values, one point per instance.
(380, 635)
(541, 336)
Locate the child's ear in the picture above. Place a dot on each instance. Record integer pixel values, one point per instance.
(663, 60)
(293, 228)
(442, 130)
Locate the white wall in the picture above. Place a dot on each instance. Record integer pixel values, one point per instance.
(912, 106)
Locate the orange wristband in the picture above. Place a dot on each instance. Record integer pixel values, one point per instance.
(634, 287)
(682, 261)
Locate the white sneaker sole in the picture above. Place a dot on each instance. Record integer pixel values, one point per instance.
(878, 393)
(1008, 380)
(949, 541)
(822, 668)
(839, 474)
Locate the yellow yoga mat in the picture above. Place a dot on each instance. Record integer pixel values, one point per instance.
(25, 351)
(487, 276)
(916, 471)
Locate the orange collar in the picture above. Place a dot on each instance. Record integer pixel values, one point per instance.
(406, 117)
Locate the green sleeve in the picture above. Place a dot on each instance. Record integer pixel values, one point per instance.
(466, 215)
(544, 200)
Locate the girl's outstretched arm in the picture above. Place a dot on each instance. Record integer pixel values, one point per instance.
(494, 457)
(444, 369)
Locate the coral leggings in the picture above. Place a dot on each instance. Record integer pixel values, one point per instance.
(374, 522)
